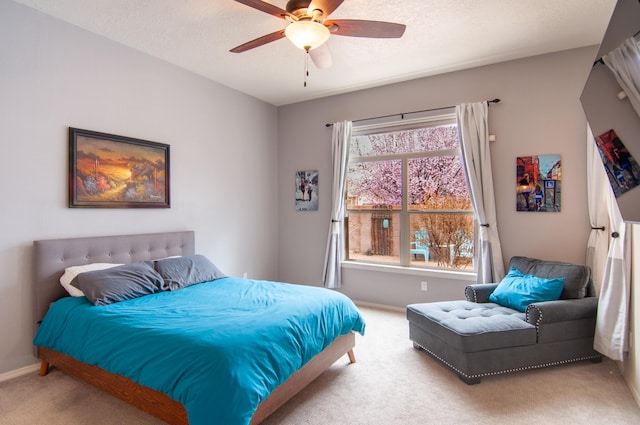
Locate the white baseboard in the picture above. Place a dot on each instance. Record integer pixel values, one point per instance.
(630, 381)
(19, 372)
(379, 306)
(634, 393)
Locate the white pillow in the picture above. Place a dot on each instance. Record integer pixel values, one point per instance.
(71, 272)
(166, 258)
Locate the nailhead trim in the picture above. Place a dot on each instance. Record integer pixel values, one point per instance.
(537, 324)
(519, 369)
(475, 294)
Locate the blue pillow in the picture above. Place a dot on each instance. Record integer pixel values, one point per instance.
(518, 290)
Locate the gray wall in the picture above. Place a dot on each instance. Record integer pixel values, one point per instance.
(540, 114)
(223, 156)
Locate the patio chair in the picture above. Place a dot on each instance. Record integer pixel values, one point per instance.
(421, 244)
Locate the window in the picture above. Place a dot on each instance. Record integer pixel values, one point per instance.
(407, 199)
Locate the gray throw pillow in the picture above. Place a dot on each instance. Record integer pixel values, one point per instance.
(125, 282)
(577, 277)
(181, 272)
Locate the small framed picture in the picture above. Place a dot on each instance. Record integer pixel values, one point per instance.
(109, 171)
(307, 190)
(622, 168)
(538, 181)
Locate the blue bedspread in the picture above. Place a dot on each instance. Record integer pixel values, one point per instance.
(220, 347)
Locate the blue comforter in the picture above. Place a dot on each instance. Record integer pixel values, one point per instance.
(220, 347)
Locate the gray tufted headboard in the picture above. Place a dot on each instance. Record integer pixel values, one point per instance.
(52, 256)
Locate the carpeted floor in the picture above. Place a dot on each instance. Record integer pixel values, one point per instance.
(391, 383)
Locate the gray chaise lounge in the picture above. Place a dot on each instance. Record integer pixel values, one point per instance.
(478, 338)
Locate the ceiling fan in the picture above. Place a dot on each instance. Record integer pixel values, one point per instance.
(309, 28)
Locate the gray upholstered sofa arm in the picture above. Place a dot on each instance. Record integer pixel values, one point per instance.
(561, 310)
(479, 292)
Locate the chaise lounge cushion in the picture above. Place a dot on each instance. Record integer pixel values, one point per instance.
(471, 327)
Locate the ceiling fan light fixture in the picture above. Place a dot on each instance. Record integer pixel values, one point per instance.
(307, 34)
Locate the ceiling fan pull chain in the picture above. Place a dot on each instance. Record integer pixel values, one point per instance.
(306, 66)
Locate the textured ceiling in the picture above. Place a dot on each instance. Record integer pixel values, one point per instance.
(441, 36)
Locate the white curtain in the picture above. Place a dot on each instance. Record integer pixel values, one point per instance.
(612, 326)
(624, 62)
(474, 135)
(597, 189)
(335, 244)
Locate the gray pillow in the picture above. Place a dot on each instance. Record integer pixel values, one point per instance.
(577, 277)
(181, 272)
(125, 282)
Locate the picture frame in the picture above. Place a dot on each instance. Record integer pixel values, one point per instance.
(306, 190)
(538, 183)
(623, 171)
(111, 171)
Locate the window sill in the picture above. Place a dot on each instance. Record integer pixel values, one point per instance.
(413, 271)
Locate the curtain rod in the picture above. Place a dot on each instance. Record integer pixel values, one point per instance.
(601, 61)
(402, 114)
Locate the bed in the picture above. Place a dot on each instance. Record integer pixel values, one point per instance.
(76, 336)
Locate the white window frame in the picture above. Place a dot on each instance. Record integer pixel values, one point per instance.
(385, 125)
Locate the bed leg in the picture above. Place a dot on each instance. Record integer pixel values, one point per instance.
(352, 357)
(44, 368)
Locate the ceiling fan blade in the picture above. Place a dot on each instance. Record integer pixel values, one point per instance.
(327, 6)
(266, 8)
(260, 41)
(321, 56)
(360, 28)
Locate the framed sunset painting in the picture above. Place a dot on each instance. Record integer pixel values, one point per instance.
(109, 171)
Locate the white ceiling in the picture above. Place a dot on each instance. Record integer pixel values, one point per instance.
(441, 36)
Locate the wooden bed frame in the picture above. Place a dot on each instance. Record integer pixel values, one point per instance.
(52, 256)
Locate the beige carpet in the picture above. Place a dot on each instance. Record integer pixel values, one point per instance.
(391, 383)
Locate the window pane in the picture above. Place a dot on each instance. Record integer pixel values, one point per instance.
(374, 236)
(448, 238)
(375, 184)
(438, 183)
(415, 140)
